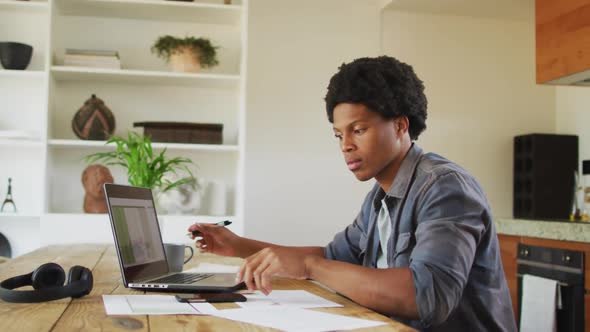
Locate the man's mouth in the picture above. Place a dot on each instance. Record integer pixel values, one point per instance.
(353, 164)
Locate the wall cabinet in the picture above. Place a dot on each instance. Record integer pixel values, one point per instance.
(508, 248)
(39, 150)
(563, 41)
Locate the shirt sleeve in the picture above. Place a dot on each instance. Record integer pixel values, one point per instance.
(451, 221)
(350, 244)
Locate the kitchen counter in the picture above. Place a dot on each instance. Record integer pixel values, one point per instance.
(567, 231)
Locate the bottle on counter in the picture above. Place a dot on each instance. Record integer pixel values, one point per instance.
(586, 190)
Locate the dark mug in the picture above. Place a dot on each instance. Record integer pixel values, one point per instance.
(175, 256)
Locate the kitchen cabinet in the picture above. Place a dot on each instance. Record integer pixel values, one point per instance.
(563, 41)
(508, 252)
(40, 102)
(508, 249)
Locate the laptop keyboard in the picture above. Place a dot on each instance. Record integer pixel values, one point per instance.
(181, 278)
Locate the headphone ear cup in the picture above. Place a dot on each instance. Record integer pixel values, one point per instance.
(48, 275)
(83, 275)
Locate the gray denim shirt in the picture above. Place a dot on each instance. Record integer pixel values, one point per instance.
(442, 230)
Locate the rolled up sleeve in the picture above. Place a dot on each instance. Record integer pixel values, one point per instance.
(450, 226)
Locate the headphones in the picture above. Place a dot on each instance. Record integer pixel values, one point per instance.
(48, 283)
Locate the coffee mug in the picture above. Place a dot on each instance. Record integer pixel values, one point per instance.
(175, 256)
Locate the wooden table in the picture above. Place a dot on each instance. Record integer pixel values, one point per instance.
(88, 314)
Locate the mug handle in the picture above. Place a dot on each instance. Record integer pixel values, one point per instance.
(191, 256)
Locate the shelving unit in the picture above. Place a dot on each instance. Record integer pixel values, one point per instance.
(46, 167)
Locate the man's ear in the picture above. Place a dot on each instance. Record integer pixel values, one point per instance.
(402, 125)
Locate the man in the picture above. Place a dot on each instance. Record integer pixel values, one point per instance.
(423, 248)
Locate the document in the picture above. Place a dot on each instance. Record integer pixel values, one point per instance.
(152, 305)
(286, 298)
(293, 319)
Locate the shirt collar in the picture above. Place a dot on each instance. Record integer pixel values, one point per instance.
(402, 179)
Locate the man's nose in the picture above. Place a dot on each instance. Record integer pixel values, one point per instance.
(346, 144)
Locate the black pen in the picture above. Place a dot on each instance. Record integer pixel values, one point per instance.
(221, 223)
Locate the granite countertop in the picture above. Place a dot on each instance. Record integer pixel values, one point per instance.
(555, 230)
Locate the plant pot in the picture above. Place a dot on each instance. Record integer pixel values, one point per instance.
(15, 55)
(185, 60)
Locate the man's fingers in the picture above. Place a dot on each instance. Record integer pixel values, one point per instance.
(258, 274)
(246, 273)
(265, 283)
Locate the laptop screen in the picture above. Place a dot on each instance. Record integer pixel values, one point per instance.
(136, 232)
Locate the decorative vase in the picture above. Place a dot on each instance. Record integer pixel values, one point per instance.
(94, 121)
(184, 199)
(15, 56)
(185, 60)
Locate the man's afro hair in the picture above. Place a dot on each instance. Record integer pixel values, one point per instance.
(384, 85)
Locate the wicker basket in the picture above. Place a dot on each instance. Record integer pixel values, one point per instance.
(183, 132)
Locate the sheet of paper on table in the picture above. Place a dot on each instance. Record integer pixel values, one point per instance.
(293, 319)
(152, 305)
(289, 298)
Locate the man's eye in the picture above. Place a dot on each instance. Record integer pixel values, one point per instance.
(338, 136)
(359, 131)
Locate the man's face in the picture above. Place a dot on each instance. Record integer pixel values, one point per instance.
(370, 143)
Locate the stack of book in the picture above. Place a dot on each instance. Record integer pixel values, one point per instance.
(92, 58)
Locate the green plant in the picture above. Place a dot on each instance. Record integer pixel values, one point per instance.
(205, 52)
(144, 168)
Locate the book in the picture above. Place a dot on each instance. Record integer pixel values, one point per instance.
(92, 52)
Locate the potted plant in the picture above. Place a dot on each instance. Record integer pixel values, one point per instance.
(144, 168)
(187, 54)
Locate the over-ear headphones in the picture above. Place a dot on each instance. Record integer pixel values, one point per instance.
(48, 283)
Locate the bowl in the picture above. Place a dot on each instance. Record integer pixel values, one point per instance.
(15, 55)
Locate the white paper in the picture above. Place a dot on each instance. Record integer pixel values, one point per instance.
(287, 298)
(538, 304)
(293, 319)
(152, 305)
(213, 268)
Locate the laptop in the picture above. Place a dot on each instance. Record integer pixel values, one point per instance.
(140, 249)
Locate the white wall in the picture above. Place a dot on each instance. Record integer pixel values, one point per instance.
(298, 189)
(572, 116)
(480, 83)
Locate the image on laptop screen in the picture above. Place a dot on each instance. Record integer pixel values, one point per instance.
(138, 234)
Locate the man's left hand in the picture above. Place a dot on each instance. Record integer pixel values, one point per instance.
(259, 268)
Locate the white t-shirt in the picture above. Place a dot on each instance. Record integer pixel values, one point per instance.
(384, 224)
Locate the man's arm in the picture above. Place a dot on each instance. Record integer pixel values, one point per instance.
(388, 291)
(221, 241)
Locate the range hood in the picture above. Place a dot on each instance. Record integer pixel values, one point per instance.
(578, 79)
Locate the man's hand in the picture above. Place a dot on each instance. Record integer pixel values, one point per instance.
(286, 262)
(216, 240)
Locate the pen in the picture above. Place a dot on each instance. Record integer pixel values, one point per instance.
(221, 223)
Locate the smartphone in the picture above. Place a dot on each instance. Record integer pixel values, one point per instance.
(211, 297)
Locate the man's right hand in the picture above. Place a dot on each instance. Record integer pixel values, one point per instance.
(216, 239)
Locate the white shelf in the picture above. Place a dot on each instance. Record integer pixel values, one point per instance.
(21, 73)
(23, 5)
(70, 143)
(66, 73)
(13, 143)
(22, 216)
(153, 10)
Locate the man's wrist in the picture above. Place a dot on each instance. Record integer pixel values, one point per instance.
(310, 262)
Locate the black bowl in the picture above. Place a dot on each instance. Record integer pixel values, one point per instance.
(15, 55)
